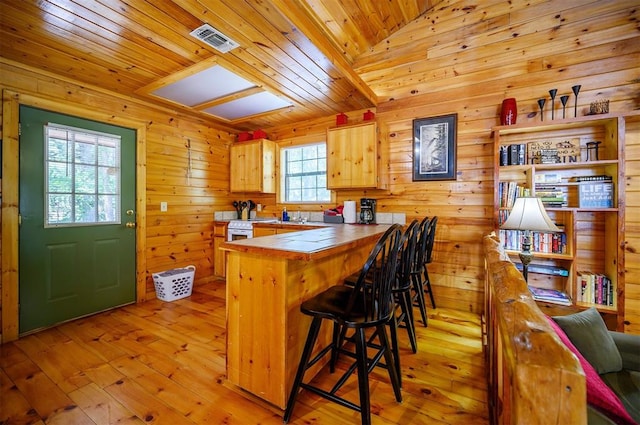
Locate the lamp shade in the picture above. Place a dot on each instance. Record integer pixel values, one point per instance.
(528, 214)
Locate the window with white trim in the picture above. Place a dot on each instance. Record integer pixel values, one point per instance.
(304, 177)
(82, 177)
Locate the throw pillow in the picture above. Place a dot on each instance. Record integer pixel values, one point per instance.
(588, 332)
(599, 395)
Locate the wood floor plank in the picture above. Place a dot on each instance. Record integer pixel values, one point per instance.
(51, 403)
(101, 407)
(14, 407)
(164, 363)
(143, 404)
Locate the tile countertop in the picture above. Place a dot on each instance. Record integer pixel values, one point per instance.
(309, 244)
(313, 217)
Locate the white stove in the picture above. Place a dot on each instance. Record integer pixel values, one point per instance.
(243, 229)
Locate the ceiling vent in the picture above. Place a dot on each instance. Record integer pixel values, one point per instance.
(214, 38)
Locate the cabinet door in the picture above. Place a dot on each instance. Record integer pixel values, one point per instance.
(246, 167)
(263, 231)
(352, 157)
(253, 166)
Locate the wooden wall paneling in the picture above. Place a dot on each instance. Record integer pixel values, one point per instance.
(141, 211)
(476, 58)
(632, 226)
(162, 167)
(460, 76)
(10, 198)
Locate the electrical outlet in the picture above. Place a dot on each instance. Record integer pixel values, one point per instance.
(259, 207)
(163, 206)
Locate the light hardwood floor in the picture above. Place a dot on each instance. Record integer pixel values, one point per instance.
(164, 363)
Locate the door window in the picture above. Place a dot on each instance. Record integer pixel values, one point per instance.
(82, 177)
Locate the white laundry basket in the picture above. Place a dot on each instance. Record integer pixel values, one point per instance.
(174, 284)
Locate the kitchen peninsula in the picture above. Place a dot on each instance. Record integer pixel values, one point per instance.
(267, 280)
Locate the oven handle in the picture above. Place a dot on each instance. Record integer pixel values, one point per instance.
(243, 232)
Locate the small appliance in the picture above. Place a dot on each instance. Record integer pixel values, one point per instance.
(367, 211)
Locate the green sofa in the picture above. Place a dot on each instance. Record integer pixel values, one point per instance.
(615, 361)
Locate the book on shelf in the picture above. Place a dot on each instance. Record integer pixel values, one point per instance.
(544, 269)
(508, 192)
(598, 178)
(515, 154)
(547, 178)
(551, 196)
(544, 242)
(594, 288)
(550, 295)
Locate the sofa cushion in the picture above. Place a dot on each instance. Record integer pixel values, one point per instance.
(590, 335)
(599, 395)
(626, 384)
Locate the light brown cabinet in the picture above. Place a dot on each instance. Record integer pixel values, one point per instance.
(219, 256)
(585, 196)
(263, 231)
(270, 229)
(354, 158)
(253, 166)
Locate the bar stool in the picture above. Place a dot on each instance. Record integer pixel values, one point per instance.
(366, 305)
(401, 290)
(431, 237)
(417, 269)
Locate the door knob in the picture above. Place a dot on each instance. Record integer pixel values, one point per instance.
(130, 225)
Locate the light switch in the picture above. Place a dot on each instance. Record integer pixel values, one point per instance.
(163, 206)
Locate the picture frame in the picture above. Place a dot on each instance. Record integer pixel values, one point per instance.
(434, 148)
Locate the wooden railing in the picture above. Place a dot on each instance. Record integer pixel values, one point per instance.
(533, 378)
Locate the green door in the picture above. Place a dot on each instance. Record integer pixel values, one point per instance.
(77, 193)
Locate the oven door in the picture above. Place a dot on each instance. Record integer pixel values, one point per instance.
(239, 234)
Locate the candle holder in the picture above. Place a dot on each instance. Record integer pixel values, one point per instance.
(563, 100)
(576, 90)
(553, 93)
(541, 103)
(592, 151)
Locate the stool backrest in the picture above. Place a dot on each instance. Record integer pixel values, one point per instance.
(431, 237)
(407, 255)
(421, 245)
(372, 291)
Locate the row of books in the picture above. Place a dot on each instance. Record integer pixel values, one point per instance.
(551, 243)
(508, 192)
(513, 154)
(551, 196)
(549, 295)
(545, 269)
(594, 288)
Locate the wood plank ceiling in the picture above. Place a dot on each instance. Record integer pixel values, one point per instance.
(301, 50)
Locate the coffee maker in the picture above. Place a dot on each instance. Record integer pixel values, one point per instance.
(367, 211)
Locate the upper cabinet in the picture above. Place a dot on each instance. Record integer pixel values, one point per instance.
(253, 166)
(354, 159)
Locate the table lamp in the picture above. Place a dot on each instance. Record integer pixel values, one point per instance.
(528, 214)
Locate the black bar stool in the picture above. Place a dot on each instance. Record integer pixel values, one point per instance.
(417, 269)
(366, 305)
(401, 291)
(431, 237)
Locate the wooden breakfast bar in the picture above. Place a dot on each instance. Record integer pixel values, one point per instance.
(267, 280)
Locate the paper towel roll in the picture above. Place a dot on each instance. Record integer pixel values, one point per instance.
(349, 211)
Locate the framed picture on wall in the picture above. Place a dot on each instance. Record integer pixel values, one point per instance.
(434, 148)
